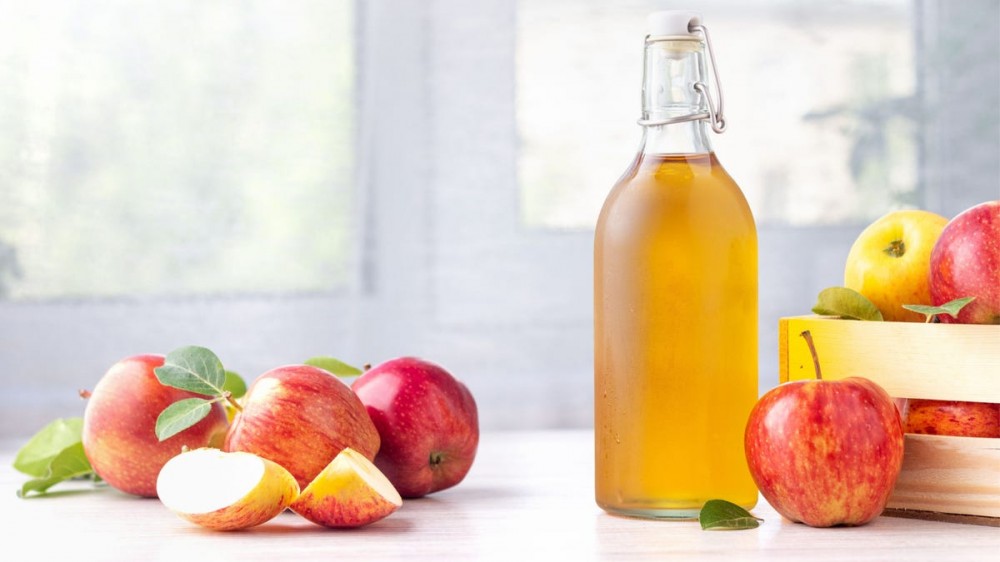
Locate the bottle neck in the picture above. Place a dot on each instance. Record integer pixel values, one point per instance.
(672, 68)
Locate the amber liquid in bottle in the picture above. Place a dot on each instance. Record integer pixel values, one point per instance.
(675, 338)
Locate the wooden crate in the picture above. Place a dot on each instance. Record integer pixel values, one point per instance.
(943, 477)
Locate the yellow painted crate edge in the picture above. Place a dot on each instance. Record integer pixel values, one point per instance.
(909, 360)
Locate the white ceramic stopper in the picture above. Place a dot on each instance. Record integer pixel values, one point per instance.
(671, 22)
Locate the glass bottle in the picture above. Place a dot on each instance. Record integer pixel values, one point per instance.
(675, 301)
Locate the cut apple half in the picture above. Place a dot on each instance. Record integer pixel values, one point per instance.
(349, 492)
(225, 491)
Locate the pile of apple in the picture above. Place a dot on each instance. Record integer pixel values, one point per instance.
(828, 453)
(916, 257)
(301, 438)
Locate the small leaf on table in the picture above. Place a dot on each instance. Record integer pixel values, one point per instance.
(846, 303)
(71, 462)
(194, 369)
(37, 454)
(724, 515)
(181, 415)
(334, 366)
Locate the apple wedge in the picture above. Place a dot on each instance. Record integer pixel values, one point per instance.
(225, 491)
(349, 492)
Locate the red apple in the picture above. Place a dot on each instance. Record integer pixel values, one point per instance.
(965, 262)
(301, 417)
(940, 417)
(825, 453)
(428, 423)
(119, 422)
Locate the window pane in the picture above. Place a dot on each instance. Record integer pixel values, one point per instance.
(174, 148)
(820, 99)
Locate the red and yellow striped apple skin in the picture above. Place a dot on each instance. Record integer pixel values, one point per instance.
(825, 453)
(119, 426)
(301, 417)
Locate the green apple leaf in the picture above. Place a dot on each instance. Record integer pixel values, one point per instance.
(234, 385)
(181, 415)
(71, 462)
(334, 366)
(194, 369)
(37, 454)
(951, 308)
(846, 303)
(723, 515)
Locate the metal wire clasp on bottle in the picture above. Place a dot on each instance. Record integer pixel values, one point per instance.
(714, 115)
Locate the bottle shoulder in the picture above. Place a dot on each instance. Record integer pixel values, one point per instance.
(657, 186)
(669, 177)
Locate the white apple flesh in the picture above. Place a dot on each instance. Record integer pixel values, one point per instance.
(225, 491)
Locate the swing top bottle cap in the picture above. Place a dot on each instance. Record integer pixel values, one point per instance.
(675, 23)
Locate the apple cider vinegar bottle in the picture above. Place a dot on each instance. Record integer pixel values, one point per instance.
(675, 300)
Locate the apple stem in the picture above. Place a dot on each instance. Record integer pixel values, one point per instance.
(812, 350)
(896, 249)
(229, 396)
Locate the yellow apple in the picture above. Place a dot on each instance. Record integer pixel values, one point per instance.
(890, 262)
(349, 492)
(225, 491)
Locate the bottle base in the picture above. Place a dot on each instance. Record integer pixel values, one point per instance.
(661, 514)
(680, 511)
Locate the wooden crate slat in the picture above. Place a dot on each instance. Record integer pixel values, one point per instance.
(909, 360)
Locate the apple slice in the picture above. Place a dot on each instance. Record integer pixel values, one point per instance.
(349, 492)
(225, 491)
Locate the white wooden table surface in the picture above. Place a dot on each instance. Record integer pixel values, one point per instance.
(529, 496)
